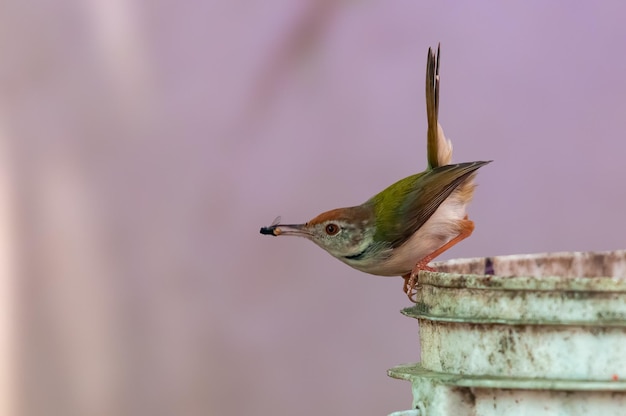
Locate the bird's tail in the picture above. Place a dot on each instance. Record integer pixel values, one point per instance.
(439, 148)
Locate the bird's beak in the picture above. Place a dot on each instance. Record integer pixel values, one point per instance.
(286, 229)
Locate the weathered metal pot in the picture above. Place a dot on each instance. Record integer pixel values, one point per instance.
(513, 334)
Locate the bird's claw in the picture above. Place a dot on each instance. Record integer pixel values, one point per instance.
(411, 283)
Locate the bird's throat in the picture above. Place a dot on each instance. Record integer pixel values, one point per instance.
(359, 256)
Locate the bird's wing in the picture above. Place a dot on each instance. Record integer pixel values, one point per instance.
(406, 205)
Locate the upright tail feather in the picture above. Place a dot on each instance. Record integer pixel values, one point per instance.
(439, 148)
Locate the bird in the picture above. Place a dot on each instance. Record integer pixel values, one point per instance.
(401, 229)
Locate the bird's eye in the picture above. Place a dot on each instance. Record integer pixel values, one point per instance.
(332, 229)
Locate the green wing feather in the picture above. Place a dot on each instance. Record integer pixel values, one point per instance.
(405, 206)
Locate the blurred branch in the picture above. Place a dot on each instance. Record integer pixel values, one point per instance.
(298, 41)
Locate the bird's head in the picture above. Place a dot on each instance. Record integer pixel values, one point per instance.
(342, 232)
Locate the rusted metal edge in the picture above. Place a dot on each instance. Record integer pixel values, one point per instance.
(415, 371)
(523, 283)
(413, 312)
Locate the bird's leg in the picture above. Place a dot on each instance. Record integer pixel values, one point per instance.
(410, 280)
(405, 286)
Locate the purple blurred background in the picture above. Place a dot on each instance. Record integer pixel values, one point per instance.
(145, 143)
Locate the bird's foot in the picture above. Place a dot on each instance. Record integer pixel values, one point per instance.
(411, 284)
(410, 279)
